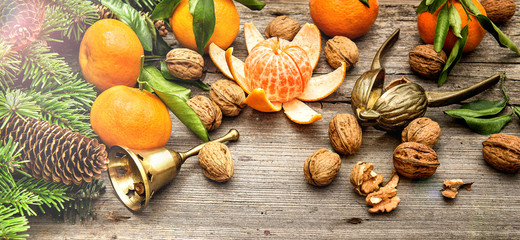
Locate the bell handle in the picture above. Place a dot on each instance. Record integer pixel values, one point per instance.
(232, 135)
(437, 99)
(382, 50)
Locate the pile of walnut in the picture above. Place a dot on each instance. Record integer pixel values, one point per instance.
(367, 183)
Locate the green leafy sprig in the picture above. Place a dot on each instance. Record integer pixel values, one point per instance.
(203, 12)
(12, 225)
(482, 116)
(449, 18)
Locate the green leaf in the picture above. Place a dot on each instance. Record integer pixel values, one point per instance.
(255, 4)
(203, 23)
(160, 47)
(501, 38)
(455, 56)
(469, 5)
(166, 74)
(443, 25)
(429, 2)
(436, 5)
(455, 21)
(478, 108)
(487, 126)
(422, 7)
(517, 110)
(185, 113)
(153, 77)
(164, 9)
(132, 18)
(191, 6)
(365, 2)
(175, 97)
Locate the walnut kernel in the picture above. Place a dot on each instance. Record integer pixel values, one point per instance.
(345, 134)
(185, 63)
(426, 62)
(341, 49)
(208, 111)
(363, 179)
(422, 130)
(228, 96)
(384, 200)
(282, 27)
(216, 161)
(415, 160)
(322, 167)
(451, 187)
(502, 151)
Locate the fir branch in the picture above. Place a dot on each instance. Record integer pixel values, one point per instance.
(83, 196)
(16, 196)
(19, 103)
(51, 194)
(9, 159)
(11, 225)
(72, 16)
(9, 64)
(41, 66)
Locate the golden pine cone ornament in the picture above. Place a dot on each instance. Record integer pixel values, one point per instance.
(56, 154)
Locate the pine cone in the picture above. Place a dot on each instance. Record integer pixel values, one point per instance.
(161, 27)
(54, 153)
(21, 22)
(104, 12)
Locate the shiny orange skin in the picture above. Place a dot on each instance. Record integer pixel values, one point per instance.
(349, 18)
(427, 23)
(227, 25)
(132, 118)
(110, 54)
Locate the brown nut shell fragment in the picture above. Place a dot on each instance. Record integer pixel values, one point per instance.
(502, 151)
(321, 167)
(363, 179)
(216, 162)
(425, 61)
(394, 180)
(345, 134)
(451, 187)
(185, 63)
(229, 96)
(396, 82)
(341, 49)
(208, 111)
(415, 160)
(422, 130)
(282, 27)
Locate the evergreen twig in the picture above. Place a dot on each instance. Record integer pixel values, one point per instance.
(12, 226)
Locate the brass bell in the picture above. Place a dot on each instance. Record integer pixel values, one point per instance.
(137, 174)
(393, 109)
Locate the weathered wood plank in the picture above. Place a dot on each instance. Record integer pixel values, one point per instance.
(268, 195)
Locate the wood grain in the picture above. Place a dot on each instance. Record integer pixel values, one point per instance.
(268, 196)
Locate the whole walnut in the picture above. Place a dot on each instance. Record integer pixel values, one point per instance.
(216, 161)
(415, 160)
(229, 96)
(282, 27)
(499, 11)
(341, 49)
(422, 130)
(321, 167)
(345, 134)
(502, 151)
(185, 63)
(426, 62)
(208, 111)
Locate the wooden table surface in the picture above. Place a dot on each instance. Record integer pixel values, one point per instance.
(268, 196)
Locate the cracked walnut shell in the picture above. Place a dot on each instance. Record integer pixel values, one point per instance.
(415, 160)
(341, 49)
(363, 179)
(502, 151)
(185, 64)
(208, 111)
(229, 96)
(422, 130)
(425, 61)
(321, 167)
(345, 134)
(283, 27)
(216, 161)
